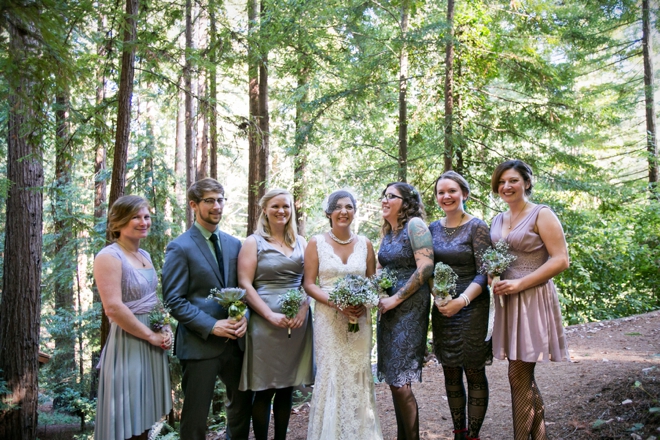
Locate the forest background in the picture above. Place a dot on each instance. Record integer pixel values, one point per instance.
(103, 98)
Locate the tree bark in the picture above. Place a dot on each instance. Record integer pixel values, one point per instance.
(403, 91)
(264, 117)
(189, 119)
(20, 309)
(213, 92)
(651, 131)
(254, 143)
(449, 88)
(64, 264)
(300, 155)
(122, 137)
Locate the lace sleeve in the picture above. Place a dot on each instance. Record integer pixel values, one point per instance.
(480, 242)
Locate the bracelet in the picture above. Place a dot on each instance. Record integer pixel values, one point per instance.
(466, 299)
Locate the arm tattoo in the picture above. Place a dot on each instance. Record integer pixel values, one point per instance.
(422, 244)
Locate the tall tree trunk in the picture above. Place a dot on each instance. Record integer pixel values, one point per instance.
(651, 132)
(122, 136)
(449, 88)
(102, 50)
(264, 117)
(213, 92)
(458, 117)
(180, 153)
(64, 263)
(300, 151)
(189, 120)
(403, 92)
(202, 146)
(254, 143)
(20, 309)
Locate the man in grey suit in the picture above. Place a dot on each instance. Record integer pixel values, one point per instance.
(207, 343)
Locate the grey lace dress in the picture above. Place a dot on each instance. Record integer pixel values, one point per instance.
(272, 359)
(402, 331)
(134, 378)
(459, 341)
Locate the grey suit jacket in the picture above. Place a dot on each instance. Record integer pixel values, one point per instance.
(189, 273)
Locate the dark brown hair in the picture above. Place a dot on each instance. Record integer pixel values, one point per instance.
(122, 211)
(453, 175)
(411, 205)
(517, 165)
(197, 189)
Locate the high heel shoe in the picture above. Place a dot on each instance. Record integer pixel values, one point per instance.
(460, 434)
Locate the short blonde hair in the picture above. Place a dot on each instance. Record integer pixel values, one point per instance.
(290, 229)
(122, 211)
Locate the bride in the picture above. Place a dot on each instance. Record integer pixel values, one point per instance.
(343, 403)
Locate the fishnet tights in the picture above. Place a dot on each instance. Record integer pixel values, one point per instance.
(477, 399)
(527, 404)
(406, 411)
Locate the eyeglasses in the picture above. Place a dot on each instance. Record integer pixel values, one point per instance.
(390, 197)
(212, 201)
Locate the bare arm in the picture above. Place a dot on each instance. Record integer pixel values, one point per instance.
(107, 273)
(552, 235)
(422, 244)
(247, 267)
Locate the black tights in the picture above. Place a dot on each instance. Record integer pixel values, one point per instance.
(281, 412)
(526, 402)
(477, 399)
(406, 411)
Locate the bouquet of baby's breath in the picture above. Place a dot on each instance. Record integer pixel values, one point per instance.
(159, 317)
(444, 284)
(354, 290)
(291, 301)
(232, 299)
(383, 280)
(494, 261)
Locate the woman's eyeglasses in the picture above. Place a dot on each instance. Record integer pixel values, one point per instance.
(389, 197)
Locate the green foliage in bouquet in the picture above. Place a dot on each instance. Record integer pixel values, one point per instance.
(232, 299)
(444, 283)
(354, 290)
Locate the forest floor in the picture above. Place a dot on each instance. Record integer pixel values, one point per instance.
(605, 392)
(592, 397)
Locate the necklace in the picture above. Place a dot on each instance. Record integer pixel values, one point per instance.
(517, 215)
(281, 243)
(454, 229)
(341, 241)
(131, 252)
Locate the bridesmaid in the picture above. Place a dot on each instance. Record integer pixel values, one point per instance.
(407, 249)
(528, 329)
(270, 263)
(134, 378)
(460, 326)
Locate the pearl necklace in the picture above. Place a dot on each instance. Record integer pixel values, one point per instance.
(446, 228)
(341, 241)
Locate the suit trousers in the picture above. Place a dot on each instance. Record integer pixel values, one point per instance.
(198, 384)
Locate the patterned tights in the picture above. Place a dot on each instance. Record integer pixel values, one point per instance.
(406, 411)
(281, 412)
(477, 399)
(527, 404)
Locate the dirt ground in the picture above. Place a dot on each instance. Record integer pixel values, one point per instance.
(593, 397)
(607, 359)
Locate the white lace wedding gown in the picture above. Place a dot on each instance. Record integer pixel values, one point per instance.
(343, 402)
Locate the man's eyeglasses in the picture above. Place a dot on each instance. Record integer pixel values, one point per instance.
(390, 196)
(212, 201)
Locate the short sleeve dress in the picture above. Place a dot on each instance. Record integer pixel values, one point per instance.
(134, 377)
(402, 331)
(460, 341)
(529, 326)
(272, 359)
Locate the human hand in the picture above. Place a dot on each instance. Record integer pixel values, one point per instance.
(299, 319)
(354, 311)
(452, 307)
(506, 287)
(387, 304)
(168, 338)
(229, 328)
(278, 320)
